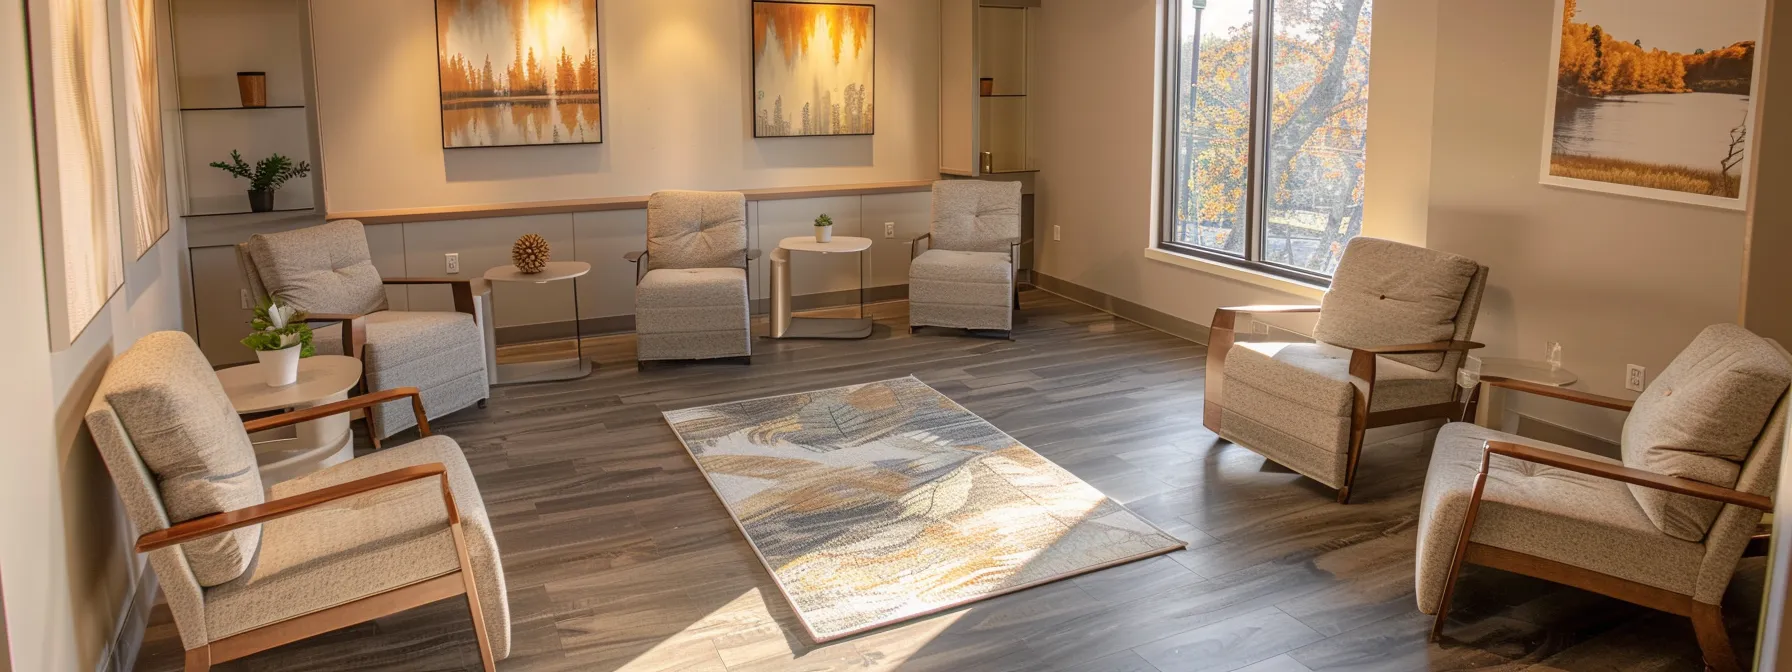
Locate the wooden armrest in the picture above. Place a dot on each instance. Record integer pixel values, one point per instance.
(229, 520)
(1018, 243)
(330, 317)
(462, 288)
(354, 329)
(634, 257)
(364, 401)
(1416, 348)
(1563, 393)
(1619, 472)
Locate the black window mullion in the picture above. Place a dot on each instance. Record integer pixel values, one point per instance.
(1262, 60)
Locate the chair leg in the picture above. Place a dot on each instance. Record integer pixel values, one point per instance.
(473, 608)
(1714, 641)
(1356, 451)
(200, 659)
(1461, 554)
(373, 433)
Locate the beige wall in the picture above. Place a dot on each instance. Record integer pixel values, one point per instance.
(1769, 277)
(677, 89)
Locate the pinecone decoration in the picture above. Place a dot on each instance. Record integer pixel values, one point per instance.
(530, 253)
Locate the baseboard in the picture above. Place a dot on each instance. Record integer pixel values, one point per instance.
(1156, 319)
(618, 324)
(122, 653)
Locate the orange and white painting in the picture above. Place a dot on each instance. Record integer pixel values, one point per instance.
(519, 72)
(812, 69)
(143, 126)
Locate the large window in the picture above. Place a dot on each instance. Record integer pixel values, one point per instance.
(1269, 104)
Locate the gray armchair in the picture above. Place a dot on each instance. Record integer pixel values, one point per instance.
(243, 570)
(1663, 528)
(327, 271)
(967, 277)
(691, 282)
(1392, 332)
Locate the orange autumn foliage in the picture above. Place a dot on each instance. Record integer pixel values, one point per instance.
(794, 26)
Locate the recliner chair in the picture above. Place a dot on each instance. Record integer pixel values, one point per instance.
(691, 296)
(967, 277)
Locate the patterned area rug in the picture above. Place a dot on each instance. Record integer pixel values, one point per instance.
(877, 503)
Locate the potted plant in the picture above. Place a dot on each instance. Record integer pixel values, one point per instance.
(824, 229)
(265, 178)
(280, 338)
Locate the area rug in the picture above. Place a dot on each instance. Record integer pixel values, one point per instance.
(877, 503)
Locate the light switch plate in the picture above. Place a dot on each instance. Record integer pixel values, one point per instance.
(1057, 233)
(453, 262)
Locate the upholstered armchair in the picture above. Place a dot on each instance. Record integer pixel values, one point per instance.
(327, 271)
(243, 570)
(1664, 527)
(966, 277)
(691, 281)
(1392, 331)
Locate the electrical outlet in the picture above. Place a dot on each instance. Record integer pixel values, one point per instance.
(1635, 377)
(1057, 233)
(889, 229)
(246, 304)
(453, 262)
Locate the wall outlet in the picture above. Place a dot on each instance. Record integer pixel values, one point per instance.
(889, 229)
(246, 304)
(1635, 377)
(1057, 233)
(453, 262)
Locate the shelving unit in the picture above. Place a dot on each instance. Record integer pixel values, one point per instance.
(987, 134)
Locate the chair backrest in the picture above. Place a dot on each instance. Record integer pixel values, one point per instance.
(1388, 293)
(1735, 525)
(320, 269)
(975, 216)
(1705, 418)
(696, 229)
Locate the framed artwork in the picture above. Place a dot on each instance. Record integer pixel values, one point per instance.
(519, 72)
(1654, 98)
(148, 200)
(812, 69)
(77, 162)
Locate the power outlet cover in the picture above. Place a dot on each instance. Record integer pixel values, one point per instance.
(889, 229)
(453, 262)
(1635, 377)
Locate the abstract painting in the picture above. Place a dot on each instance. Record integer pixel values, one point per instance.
(77, 163)
(519, 72)
(143, 126)
(877, 503)
(812, 68)
(1654, 98)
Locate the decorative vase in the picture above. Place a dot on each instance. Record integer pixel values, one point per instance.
(261, 200)
(254, 88)
(530, 253)
(824, 234)
(280, 366)
(987, 85)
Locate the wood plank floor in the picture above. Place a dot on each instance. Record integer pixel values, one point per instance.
(619, 558)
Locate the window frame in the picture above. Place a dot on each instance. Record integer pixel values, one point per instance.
(1257, 163)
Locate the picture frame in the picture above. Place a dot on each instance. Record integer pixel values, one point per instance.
(829, 31)
(560, 101)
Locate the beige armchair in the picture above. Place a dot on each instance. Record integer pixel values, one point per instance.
(327, 271)
(1663, 528)
(1392, 331)
(967, 276)
(242, 572)
(691, 281)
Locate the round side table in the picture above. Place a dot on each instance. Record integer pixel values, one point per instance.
(1490, 409)
(318, 443)
(785, 326)
(560, 369)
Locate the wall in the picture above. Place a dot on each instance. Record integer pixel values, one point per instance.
(677, 88)
(69, 569)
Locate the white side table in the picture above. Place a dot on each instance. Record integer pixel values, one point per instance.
(1490, 411)
(785, 326)
(319, 443)
(562, 369)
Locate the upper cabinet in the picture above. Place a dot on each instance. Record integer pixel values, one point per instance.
(986, 74)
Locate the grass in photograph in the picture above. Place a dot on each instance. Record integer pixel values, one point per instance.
(1647, 175)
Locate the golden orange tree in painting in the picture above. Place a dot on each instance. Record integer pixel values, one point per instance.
(812, 69)
(518, 72)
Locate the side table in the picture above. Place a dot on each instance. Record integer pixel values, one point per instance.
(785, 326)
(1490, 402)
(319, 443)
(561, 369)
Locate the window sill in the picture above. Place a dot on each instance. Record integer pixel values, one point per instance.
(1230, 272)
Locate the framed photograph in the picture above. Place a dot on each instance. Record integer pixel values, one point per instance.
(812, 69)
(1654, 98)
(516, 72)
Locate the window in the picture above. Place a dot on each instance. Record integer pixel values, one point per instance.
(1269, 104)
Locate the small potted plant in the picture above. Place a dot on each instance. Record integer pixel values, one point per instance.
(280, 338)
(824, 229)
(264, 178)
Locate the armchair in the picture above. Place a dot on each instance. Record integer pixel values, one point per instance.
(245, 571)
(1392, 332)
(691, 289)
(967, 277)
(328, 272)
(1662, 528)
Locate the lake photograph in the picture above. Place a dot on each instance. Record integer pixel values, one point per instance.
(1655, 95)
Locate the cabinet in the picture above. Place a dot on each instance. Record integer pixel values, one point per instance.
(986, 76)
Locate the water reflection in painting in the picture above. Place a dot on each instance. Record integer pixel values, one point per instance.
(519, 72)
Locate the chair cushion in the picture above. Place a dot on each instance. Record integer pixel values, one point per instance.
(188, 435)
(696, 229)
(965, 267)
(1559, 515)
(975, 216)
(321, 269)
(1317, 376)
(1387, 293)
(691, 300)
(1700, 418)
(356, 547)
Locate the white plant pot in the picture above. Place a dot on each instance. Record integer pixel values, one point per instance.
(280, 366)
(824, 234)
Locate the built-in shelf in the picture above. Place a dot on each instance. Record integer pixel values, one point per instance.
(1003, 95)
(239, 107)
(217, 206)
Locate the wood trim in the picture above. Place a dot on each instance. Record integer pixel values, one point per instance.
(1461, 552)
(450, 212)
(1563, 393)
(1219, 342)
(341, 616)
(1419, 348)
(1619, 472)
(1362, 378)
(471, 588)
(291, 418)
(229, 520)
(1584, 579)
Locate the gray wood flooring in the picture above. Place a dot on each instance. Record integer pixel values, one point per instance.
(619, 558)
